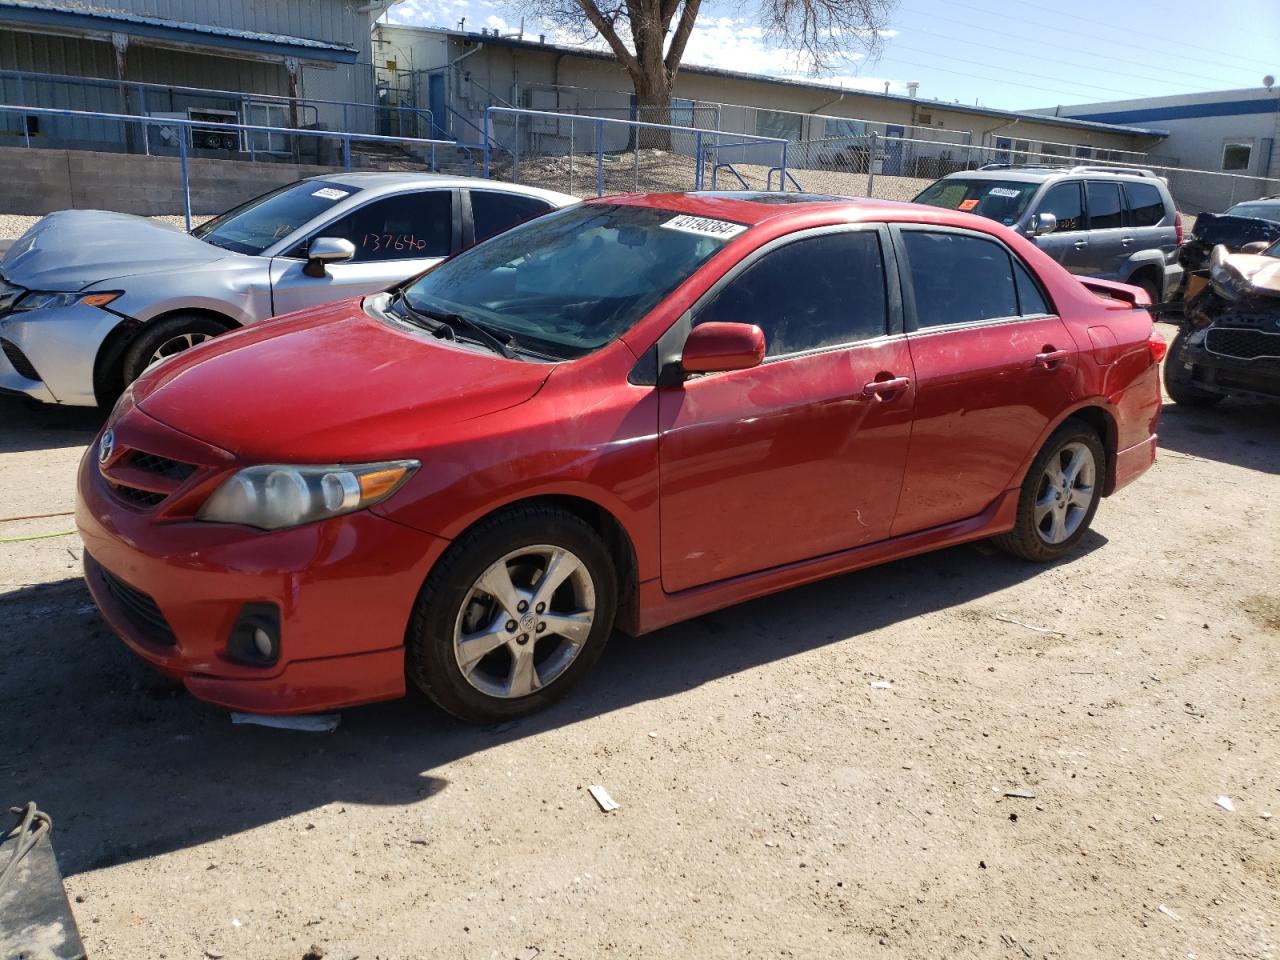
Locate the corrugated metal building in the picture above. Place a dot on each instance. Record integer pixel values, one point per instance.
(300, 48)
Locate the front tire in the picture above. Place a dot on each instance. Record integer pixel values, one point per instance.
(1059, 496)
(514, 614)
(1177, 378)
(163, 338)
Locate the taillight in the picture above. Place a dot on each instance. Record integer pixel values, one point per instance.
(1158, 346)
(1177, 229)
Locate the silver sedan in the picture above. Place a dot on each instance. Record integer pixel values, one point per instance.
(90, 299)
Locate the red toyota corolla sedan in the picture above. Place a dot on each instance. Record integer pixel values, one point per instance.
(617, 416)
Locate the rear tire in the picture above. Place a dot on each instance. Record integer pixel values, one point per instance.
(1177, 378)
(1151, 285)
(163, 338)
(485, 657)
(1059, 496)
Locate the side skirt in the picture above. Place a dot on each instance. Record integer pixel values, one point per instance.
(661, 609)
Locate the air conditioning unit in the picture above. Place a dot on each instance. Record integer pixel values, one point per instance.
(214, 138)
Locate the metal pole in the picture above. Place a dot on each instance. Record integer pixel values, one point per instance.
(346, 127)
(22, 117)
(636, 179)
(146, 127)
(782, 174)
(186, 180)
(871, 166)
(697, 167)
(485, 133)
(346, 151)
(599, 158)
(571, 156)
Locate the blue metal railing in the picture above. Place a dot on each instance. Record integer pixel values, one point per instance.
(707, 144)
(27, 83)
(184, 148)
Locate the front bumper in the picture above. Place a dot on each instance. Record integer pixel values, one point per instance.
(1218, 372)
(344, 588)
(60, 346)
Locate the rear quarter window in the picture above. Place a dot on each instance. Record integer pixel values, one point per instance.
(1146, 204)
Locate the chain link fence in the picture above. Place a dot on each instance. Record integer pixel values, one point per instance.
(898, 168)
(594, 155)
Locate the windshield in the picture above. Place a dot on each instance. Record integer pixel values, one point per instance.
(1000, 200)
(1262, 211)
(257, 224)
(575, 279)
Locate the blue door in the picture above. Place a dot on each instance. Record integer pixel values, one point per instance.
(435, 103)
(893, 150)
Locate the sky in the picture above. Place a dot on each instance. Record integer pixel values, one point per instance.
(1010, 54)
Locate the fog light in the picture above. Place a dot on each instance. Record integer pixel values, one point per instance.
(255, 638)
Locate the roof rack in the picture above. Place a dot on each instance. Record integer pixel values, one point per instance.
(1131, 171)
(1022, 166)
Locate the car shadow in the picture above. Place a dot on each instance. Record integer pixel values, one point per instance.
(129, 766)
(1239, 432)
(31, 425)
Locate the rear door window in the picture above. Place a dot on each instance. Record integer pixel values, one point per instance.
(817, 292)
(401, 227)
(1064, 201)
(958, 278)
(1146, 205)
(1104, 205)
(493, 212)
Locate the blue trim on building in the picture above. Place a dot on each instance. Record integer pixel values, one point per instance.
(1184, 111)
(173, 31)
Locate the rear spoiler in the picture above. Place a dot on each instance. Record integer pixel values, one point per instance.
(1134, 296)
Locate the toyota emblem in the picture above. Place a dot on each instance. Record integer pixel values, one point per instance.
(106, 446)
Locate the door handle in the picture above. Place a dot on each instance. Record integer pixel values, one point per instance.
(1080, 243)
(877, 389)
(1126, 240)
(1048, 358)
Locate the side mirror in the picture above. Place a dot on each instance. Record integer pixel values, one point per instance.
(717, 347)
(1042, 223)
(325, 250)
(1258, 246)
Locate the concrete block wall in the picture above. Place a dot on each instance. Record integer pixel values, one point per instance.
(42, 181)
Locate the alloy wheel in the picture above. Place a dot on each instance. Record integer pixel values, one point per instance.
(183, 341)
(1066, 492)
(524, 621)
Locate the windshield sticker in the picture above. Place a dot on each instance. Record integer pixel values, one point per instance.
(968, 204)
(1003, 192)
(704, 226)
(329, 193)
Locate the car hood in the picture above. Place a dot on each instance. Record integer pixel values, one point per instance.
(330, 385)
(72, 249)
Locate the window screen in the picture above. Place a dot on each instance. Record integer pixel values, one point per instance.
(1104, 205)
(1236, 156)
(402, 227)
(493, 212)
(1146, 206)
(959, 279)
(812, 293)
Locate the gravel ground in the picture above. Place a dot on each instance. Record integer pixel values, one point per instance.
(773, 803)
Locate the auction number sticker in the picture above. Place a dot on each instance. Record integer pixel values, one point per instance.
(329, 193)
(1003, 192)
(704, 226)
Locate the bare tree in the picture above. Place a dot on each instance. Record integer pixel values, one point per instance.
(821, 31)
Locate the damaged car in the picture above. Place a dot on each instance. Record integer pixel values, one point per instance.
(89, 299)
(1229, 344)
(1240, 227)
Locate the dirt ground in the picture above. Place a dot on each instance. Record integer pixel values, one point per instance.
(773, 803)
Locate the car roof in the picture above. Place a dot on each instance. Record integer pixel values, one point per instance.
(1041, 174)
(753, 207)
(383, 182)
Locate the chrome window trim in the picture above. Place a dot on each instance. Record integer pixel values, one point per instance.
(976, 324)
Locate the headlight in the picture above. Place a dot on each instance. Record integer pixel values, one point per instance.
(276, 495)
(38, 300)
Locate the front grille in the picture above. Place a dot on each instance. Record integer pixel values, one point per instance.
(160, 466)
(139, 608)
(140, 498)
(1242, 343)
(19, 360)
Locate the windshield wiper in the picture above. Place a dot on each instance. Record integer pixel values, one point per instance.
(453, 322)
